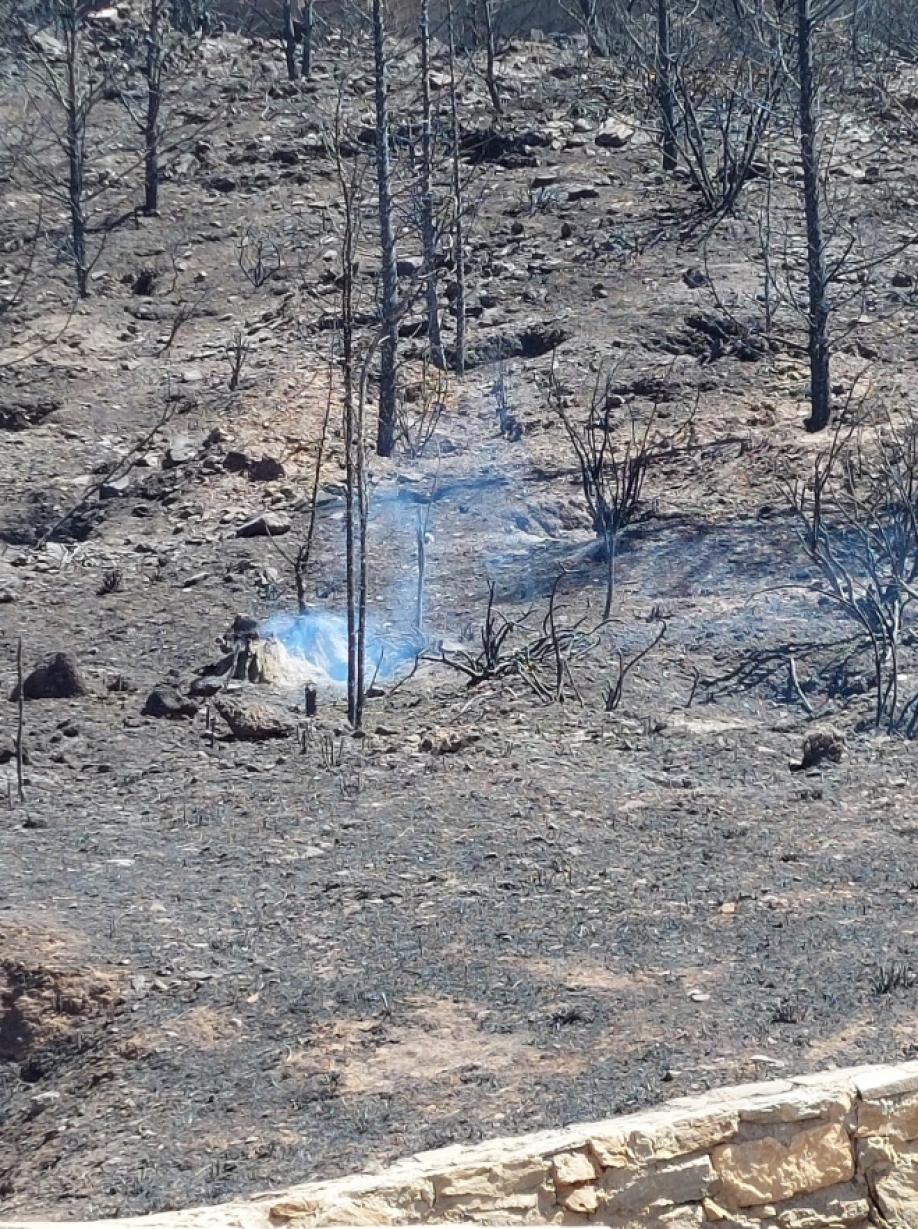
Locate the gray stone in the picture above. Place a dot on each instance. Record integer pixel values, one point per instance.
(165, 701)
(58, 678)
(265, 525)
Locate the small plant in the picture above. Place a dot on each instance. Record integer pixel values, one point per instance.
(332, 751)
(258, 257)
(112, 582)
(418, 426)
(612, 695)
(612, 473)
(552, 646)
(892, 975)
(857, 521)
(789, 1012)
(237, 355)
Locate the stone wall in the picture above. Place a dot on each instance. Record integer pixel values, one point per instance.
(830, 1151)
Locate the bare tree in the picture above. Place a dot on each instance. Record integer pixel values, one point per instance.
(458, 198)
(665, 92)
(858, 525)
(428, 220)
(386, 422)
(807, 17)
(611, 475)
(151, 129)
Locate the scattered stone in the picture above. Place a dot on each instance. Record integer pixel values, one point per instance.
(251, 721)
(583, 192)
(180, 452)
(19, 415)
(265, 525)
(268, 469)
(443, 740)
(821, 746)
(165, 701)
(696, 278)
(8, 750)
(409, 266)
(614, 134)
(144, 284)
(902, 279)
(58, 678)
(116, 487)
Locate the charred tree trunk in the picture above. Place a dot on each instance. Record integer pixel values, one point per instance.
(151, 130)
(428, 221)
(76, 106)
(458, 210)
(597, 39)
(309, 25)
(817, 281)
(666, 98)
(354, 531)
(385, 434)
(490, 42)
(289, 41)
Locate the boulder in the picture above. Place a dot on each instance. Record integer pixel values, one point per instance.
(165, 701)
(57, 678)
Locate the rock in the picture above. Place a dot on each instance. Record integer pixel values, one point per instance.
(58, 678)
(766, 1170)
(8, 750)
(897, 1193)
(268, 469)
(442, 740)
(235, 462)
(115, 487)
(823, 745)
(583, 192)
(180, 452)
(19, 415)
(614, 134)
(251, 721)
(573, 1168)
(265, 525)
(582, 1199)
(902, 279)
(165, 701)
(410, 266)
(695, 278)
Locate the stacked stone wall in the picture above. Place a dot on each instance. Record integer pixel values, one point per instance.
(836, 1150)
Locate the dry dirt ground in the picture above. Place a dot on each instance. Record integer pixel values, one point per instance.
(224, 965)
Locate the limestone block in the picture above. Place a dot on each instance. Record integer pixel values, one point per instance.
(581, 1199)
(765, 1170)
(897, 1193)
(799, 1105)
(520, 1207)
(497, 1179)
(609, 1151)
(874, 1083)
(875, 1152)
(896, 1119)
(572, 1168)
(679, 1218)
(637, 1190)
(700, 1133)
